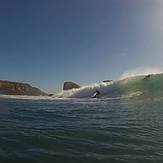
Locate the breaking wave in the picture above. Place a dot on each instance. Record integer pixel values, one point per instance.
(129, 87)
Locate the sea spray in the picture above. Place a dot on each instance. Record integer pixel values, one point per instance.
(140, 71)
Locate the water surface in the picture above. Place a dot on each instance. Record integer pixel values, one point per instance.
(81, 131)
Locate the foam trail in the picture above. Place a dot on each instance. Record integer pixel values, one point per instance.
(23, 97)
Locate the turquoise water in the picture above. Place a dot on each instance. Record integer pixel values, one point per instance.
(127, 130)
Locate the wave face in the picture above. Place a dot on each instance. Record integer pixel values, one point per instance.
(134, 86)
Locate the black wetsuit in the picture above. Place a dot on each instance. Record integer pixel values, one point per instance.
(96, 93)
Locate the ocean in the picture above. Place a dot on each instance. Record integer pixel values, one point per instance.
(104, 130)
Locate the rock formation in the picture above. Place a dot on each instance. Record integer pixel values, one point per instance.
(107, 81)
(16, 88)
(70, 85)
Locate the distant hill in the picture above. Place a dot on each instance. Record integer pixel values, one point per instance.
(17, 88)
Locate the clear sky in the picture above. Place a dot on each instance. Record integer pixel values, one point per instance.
(47, 42)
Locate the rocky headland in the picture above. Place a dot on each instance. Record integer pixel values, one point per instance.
(17, 88)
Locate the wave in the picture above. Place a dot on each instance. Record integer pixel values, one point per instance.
(133, 86)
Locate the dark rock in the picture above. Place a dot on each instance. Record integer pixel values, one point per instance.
(16, 88)
(107, 81)
(70, 85)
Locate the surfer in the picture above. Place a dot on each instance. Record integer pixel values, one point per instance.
(147, 77)
(95, 94)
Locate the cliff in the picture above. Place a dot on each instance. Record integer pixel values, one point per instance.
(16, 88)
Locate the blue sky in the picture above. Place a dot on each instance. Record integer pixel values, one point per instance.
(48, 42)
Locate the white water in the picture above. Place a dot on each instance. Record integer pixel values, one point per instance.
(26, 97)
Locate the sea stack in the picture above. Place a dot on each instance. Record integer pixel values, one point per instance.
(70, 85)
